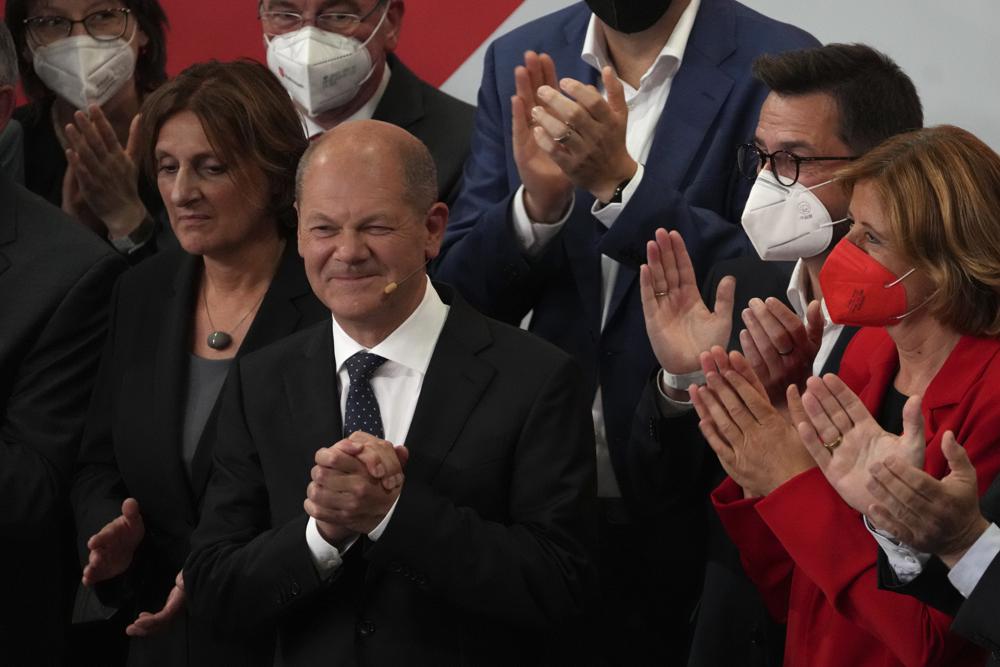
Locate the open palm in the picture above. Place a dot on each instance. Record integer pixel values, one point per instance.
(678, 323)
(834, 411)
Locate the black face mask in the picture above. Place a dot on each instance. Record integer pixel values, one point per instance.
(629, 16)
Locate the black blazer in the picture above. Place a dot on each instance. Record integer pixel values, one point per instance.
(673, 470)
(45, 167)
(132, 443)
(487, 557)
(55, 284)
(441, 121)
(975, 617)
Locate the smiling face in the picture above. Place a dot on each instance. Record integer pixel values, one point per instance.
(358, 233)
(210, 212)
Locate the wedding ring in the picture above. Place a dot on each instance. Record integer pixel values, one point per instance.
(566, 137)
(659, 294)
(785, 354)
(830, 446)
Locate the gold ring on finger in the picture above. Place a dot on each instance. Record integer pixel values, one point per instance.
(833, 444)
(659, 294)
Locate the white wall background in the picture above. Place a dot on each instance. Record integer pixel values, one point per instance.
(951, 49)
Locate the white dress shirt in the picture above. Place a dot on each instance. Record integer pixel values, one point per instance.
(396, 384)
(645, 106)
(313, 129)
(797, 293)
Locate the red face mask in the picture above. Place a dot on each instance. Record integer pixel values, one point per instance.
(858, 291)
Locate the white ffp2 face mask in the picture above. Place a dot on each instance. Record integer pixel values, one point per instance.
(83, 70)
(786, 223)
(321, 70)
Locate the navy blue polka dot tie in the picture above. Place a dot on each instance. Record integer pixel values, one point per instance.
(361, 412)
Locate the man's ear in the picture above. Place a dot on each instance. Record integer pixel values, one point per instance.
(7, 102)
(436, 221)
(393, 24)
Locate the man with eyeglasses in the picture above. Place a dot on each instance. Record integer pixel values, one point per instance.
(335, 58)
(827, 106)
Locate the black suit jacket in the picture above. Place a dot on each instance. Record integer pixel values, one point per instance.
(486, 559)
(674, 470)
(441, 121)
(132, 444)
(55, 284)
(975, 617)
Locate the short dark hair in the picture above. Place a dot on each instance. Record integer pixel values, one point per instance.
(876, 99)
(150, 66)
(249, 120)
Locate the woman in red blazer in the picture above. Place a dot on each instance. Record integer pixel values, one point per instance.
(921, 270)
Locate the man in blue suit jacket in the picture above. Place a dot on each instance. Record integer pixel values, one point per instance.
(563, 189)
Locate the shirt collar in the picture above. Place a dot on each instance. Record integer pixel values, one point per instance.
(595, 49)
(312, 128)
(410, 345)
(798, 288)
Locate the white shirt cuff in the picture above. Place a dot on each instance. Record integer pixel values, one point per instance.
(904, 560)
(971, 567)
(383, 524)
(534, 236)
(668, 406)
(608, 213)
(326, 557)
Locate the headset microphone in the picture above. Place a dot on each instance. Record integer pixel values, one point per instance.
(394, 285)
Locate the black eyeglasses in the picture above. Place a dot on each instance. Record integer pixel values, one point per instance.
(784, 165)
(104, 25)
(280, 22)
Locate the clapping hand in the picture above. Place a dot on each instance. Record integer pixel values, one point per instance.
(678, 323)
(547, 190)
(845, 440)
(780, 348)
(148, 624)
(934, 516)
(756, 446)
(354, 484)
(112, 548)
(105, 174)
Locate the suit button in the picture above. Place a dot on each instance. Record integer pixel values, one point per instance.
(365, 629)
(294, 589)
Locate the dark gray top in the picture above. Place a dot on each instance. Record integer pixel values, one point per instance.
(205, 379)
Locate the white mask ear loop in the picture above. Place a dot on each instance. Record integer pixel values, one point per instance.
(899, 279)
(835, 222)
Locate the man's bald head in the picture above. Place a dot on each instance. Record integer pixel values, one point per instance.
(387, 152)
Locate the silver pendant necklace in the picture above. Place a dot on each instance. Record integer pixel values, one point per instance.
(221, 340)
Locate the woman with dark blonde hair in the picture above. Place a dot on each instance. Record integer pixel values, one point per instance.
(222, 142)
(920, 272)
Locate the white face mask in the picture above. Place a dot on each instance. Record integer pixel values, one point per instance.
(321, 70)
(786, 223)
(83, 70)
